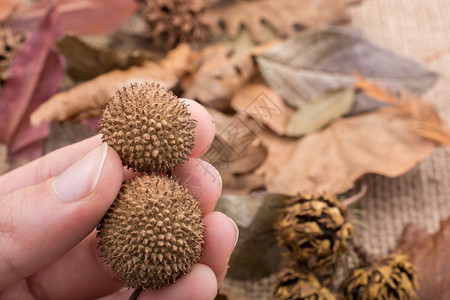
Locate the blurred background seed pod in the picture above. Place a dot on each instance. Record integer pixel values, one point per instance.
(391, 278)
(315, 231)
(171, 22)
(9, 43)
(292, 284)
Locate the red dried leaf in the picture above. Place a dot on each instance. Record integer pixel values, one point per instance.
(35, 76)
(83, 16)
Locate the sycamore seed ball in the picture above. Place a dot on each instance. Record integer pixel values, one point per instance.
(148, 127)
(153, 232)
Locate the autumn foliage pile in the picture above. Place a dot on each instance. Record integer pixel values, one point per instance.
(300, 107)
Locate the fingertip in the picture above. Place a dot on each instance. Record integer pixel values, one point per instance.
(220, 239)
(199, 284)
(202, 180)
(205, 129)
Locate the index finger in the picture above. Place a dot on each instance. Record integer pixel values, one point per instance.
(59, 160)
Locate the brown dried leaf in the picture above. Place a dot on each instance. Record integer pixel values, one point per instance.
(285, 17)
(331, 160)
(219, 74)
(180, 61)
(85, 62)
(430, 253)
(264, 105)
(88, 99)
(236, 152)
(430, 124)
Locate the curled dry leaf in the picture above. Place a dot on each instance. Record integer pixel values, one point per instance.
(331, 160)
(81, 16)
(219, 74)
(319, 60)
(430, 253)
(85, 62)
(285, 17)
(429, 124)
(257, 254)
(263, 105)
(88, 99)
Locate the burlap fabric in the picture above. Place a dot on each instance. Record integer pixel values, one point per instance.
(419, 29)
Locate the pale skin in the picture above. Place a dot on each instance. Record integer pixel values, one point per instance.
(50, 207)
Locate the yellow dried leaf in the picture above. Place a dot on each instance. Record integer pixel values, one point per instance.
(88, 99)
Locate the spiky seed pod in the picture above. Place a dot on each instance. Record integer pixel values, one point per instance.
(392, 278)
(175, 21)
(315, 231)
(293, 285)
(153, 232)
(9, 43)
(149, 128)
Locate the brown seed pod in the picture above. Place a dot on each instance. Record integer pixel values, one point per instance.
(293, 285)
(391, 278)
(171, 22)
(148, 127)
(153, 232)
(9, 43)
(315, 231)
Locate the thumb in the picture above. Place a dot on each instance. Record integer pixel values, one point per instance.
(40, 223)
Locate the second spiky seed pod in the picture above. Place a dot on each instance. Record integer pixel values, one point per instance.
(315, 231)
(153, 232)
(148, 127)
(391, 278)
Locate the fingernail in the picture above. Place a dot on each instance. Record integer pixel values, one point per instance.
(237, 231)
(80, 179)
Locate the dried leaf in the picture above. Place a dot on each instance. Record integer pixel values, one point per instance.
(7, 8)
(331, 160)
(319, 60)
(85, 62)
(256, 254)
(88, 99)
(320, 111)
(27, 135)
(430, 124)
(285, 17)
(263, 105)
(235, 152)
(82, 16)
(430, 253)
(219, 75)
(225, 159)
(180, 61)
(35, 75)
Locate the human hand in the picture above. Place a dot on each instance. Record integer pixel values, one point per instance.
(50, 207)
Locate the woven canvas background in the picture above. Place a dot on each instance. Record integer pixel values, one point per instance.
(419, 29)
